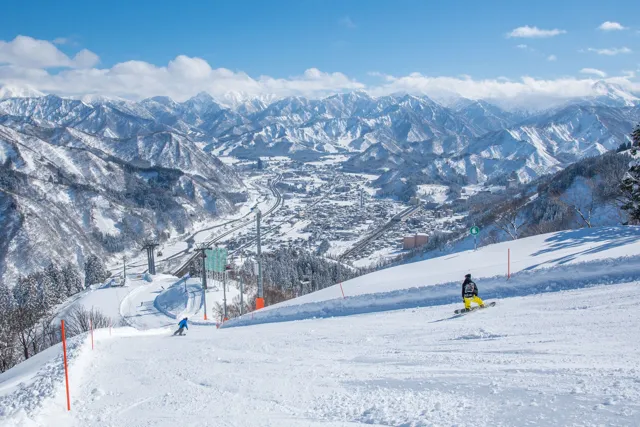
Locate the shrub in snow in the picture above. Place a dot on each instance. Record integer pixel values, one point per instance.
(80, 320)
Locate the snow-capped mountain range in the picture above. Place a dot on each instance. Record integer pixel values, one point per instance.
(78, 178)
(470, 138)
(84, 168)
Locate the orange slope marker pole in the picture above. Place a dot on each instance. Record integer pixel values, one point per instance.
(66, 369)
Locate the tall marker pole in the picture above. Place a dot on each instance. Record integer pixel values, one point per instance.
(241, 288)
(224, 291)
(260, 298)
(66, 369)
(241, 296)
(204, 283)
(203, 255)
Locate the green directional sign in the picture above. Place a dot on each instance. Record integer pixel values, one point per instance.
(474, 230)
(216, 259)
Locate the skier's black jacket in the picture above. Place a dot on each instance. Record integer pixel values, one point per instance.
(469, 289)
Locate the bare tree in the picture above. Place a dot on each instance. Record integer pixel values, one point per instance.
(26, 314)
(511, 222)
(80, 320)
(492, 237)
(50, 333)
(582, 202)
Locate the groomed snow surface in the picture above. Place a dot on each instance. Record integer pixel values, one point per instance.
(564, 354)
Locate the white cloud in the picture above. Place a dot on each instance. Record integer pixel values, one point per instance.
(60, 40)
(28, 52)
(611, 51)
(527, 91)
(185, 76)
(552, 58)
(533, 32)
(180, 79)
(347, 22)
(522, 46)
(594, 72)
(85, 59)
(383, 76)
(611, 26)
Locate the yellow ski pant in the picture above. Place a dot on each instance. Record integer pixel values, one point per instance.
(477, 300)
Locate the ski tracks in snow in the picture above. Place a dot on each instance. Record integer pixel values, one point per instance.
(562, 358)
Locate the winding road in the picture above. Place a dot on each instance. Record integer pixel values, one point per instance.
(182, 270)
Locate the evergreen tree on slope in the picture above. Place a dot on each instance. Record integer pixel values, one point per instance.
(71, 279)
(631, 181)
(94, 271)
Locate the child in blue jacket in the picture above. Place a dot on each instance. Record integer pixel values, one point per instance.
(181, 327)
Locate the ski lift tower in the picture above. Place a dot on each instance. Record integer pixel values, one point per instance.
(151, 261)
(260, 296)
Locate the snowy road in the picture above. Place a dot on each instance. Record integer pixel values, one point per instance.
(562, 358)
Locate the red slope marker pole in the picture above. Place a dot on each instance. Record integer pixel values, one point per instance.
(342, 290)
(66, 369)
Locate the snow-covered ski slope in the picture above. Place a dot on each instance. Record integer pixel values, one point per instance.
(544, 263)
(557, 350)
(147, 305)
(558, 359)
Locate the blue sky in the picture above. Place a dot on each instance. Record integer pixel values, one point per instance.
(362, 40)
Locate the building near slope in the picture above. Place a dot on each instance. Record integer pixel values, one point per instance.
(415, 241)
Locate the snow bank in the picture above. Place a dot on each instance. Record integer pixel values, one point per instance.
(551, 262)
(521, 284)
(178, 301)
(27, 386)
(175, 303)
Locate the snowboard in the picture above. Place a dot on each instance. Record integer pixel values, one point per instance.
(474, 308)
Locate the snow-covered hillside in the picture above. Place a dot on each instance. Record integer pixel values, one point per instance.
(547, 262)
(103, 173)
(550, 355)
(67, 194)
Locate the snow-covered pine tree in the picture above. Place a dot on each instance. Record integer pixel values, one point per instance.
(631, 181)
(8, 354)
(94, 271)
(46, 292)
(72, 280)
(27, 313)
(56, 278)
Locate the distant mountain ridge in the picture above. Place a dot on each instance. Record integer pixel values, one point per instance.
(94, 161)
(472, 139)
(77, 179)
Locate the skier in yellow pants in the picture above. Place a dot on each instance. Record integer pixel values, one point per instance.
(470, 293)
